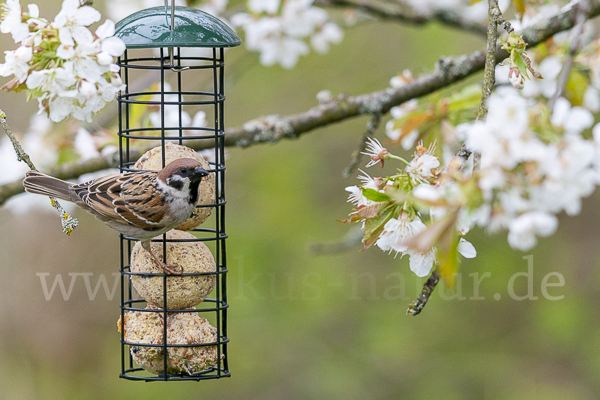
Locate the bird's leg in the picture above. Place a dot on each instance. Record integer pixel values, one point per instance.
(165, 267)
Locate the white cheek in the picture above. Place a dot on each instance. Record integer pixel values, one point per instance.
(182, 193)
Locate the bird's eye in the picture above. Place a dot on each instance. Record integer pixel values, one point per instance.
(183, 170)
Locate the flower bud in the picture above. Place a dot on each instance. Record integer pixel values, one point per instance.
(104, 58)
(516, 78)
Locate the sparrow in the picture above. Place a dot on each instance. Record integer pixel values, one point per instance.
(141, 204)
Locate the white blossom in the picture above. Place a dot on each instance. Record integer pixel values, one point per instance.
(284, 50)
(572, 119)
(508, 115)
(85, 145)
(279, 32)
(527, 179)
(376, 151)
(72, 21)
(81, 78)
(356, 196)
(550, 68)
(16, 63)
(12, 21)
(523, 230)
(421, 264)
(267, 6)
(398, 81)
(300, 18)
(426, 192)
(466, 249)
(324, 96)
(199, 119)
(591, 99)
(329, 33)
(398, 112)
(422, 167)
(397, 230)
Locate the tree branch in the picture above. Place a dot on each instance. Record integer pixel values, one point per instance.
(581, 10)
(448, 71)
(489, 76)
(372, 126)
(396, 12)
(273, 128)
(417, 306)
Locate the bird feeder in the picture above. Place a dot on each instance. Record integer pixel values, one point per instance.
(174, 327)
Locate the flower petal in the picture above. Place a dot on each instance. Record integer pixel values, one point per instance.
(106, 30)
(466, 249)
(113, 46)
(87, 15)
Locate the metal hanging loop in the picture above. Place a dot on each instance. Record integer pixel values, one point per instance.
(172, 65)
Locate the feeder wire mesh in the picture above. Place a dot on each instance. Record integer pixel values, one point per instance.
(134, 136)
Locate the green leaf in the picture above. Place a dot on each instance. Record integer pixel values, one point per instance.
(67, 155)
(521, 64)
(374, 195)
(48, 54)
(414, 120)
(466, 99)
(137, 112)
(575, 87)
(474, 2)
(519, 6)
(373, 227)
(448, 261)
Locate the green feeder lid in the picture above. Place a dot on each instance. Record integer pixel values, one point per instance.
(151, 28)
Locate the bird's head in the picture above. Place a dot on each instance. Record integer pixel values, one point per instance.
(183, 174)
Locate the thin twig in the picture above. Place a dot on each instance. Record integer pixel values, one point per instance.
(349, 242)
(372, 126)
(405, 14)
(490, 58)
(496, 13)
(581, 9)
(68, 222)
(417, 306)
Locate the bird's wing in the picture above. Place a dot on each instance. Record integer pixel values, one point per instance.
(127, 198)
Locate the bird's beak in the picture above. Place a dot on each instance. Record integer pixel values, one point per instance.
(200, 173)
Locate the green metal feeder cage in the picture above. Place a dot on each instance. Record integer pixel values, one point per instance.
(158, 116)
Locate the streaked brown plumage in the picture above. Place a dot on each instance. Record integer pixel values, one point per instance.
(141, 204)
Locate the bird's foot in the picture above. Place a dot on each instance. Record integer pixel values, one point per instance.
(169, 268)
(166, 267)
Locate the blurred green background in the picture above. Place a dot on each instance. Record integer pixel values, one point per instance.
(304, 326)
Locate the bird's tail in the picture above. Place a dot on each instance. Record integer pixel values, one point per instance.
(37, 183)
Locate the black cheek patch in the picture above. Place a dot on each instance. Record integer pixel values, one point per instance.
(194, 192)
(177, 184)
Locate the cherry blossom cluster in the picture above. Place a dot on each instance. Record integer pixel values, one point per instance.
(532, 164)
(393, 210)
(66, 67)
(281, 30)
